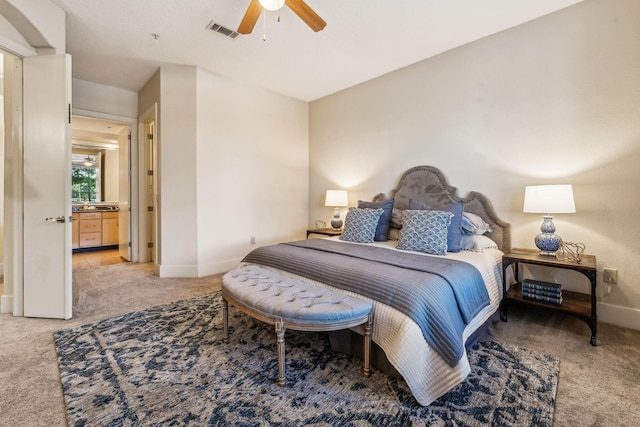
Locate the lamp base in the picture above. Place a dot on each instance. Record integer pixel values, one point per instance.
(548, 241)
(336, 221)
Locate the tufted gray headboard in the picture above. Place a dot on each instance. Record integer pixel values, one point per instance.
(428, 184)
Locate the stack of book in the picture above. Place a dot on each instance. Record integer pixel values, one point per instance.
(542, 291)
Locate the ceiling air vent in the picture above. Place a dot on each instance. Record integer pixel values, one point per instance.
(222, 30)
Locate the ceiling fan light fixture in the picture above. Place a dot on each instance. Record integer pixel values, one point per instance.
(272, 4)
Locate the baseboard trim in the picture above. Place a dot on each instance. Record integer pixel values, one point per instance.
(6, 304)
(195, 271)
(617, 315)
(190, 271)
(218, 267)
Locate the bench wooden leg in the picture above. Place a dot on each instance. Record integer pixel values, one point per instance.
(225, 317)
(367, 346)
(280, 330)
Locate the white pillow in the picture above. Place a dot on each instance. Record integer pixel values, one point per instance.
(473, 224)
(476, 243)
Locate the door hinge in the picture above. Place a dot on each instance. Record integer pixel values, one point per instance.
(129, 244)
(149, 208)
(150, 245)
(149, 136)
(69, 113)
(150, 172)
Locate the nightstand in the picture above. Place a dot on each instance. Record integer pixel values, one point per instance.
(581, 305)
(324, 231)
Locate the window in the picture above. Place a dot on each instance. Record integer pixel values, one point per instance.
(85, 178)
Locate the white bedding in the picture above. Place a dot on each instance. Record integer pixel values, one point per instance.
(426, 373)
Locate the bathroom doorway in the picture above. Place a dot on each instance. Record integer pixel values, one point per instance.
(101, 196)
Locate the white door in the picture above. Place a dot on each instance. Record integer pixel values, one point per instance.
(124, 194)
(47, 186)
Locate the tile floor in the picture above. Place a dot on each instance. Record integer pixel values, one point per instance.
(96, 258)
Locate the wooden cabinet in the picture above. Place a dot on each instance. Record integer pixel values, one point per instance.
(110, 234)
(90, 229)
(75, 231)
(94, 229)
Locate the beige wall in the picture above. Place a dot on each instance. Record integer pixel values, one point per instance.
(551, 101)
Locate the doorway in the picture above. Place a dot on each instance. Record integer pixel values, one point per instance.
(149, 230)
(101, 196)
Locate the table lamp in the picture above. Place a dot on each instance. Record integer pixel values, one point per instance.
(548, 199)
(337, 199)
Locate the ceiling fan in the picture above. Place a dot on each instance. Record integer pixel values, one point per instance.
(299, 7)
(85, 161)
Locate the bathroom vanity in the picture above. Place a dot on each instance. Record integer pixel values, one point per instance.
(95, 227)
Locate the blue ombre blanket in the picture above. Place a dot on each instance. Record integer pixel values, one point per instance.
(441, 295)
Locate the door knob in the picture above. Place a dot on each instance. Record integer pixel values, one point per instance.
(61, 218)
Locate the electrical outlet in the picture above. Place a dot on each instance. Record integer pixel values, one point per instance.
(610, 275)
(252, 240)
(607, 290)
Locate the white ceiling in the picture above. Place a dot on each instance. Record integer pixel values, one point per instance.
(88, 132)
(111, 41)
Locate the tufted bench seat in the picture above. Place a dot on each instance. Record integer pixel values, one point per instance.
(290, 303)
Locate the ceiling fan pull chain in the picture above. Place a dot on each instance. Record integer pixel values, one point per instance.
(264, 25)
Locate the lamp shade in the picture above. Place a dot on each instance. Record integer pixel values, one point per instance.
(549, 199)
(336, 198)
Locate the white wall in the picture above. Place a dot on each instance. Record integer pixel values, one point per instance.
(551, 101)
(177, 172)
(40, 26)
(25, 24)
(111, 176)
(104, 99)
(233, 163)
(252, 170)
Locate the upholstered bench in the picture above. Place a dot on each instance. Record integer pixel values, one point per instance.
(290, 303)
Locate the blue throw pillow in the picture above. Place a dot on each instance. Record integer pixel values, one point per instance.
(382, 230)
(360, 225)
(455, 228)
(424, 231)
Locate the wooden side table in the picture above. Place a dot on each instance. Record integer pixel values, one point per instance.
(324, 231)
(578, 304)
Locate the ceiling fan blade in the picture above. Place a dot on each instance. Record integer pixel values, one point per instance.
(250, 17)
(307, 14)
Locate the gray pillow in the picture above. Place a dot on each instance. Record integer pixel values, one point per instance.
(424, 231)
(360, 225)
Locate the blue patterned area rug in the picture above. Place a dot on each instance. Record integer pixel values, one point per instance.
(168, 366)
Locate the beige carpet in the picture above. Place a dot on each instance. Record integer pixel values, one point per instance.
(599, 386)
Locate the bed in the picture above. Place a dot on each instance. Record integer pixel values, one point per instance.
(427, 303)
